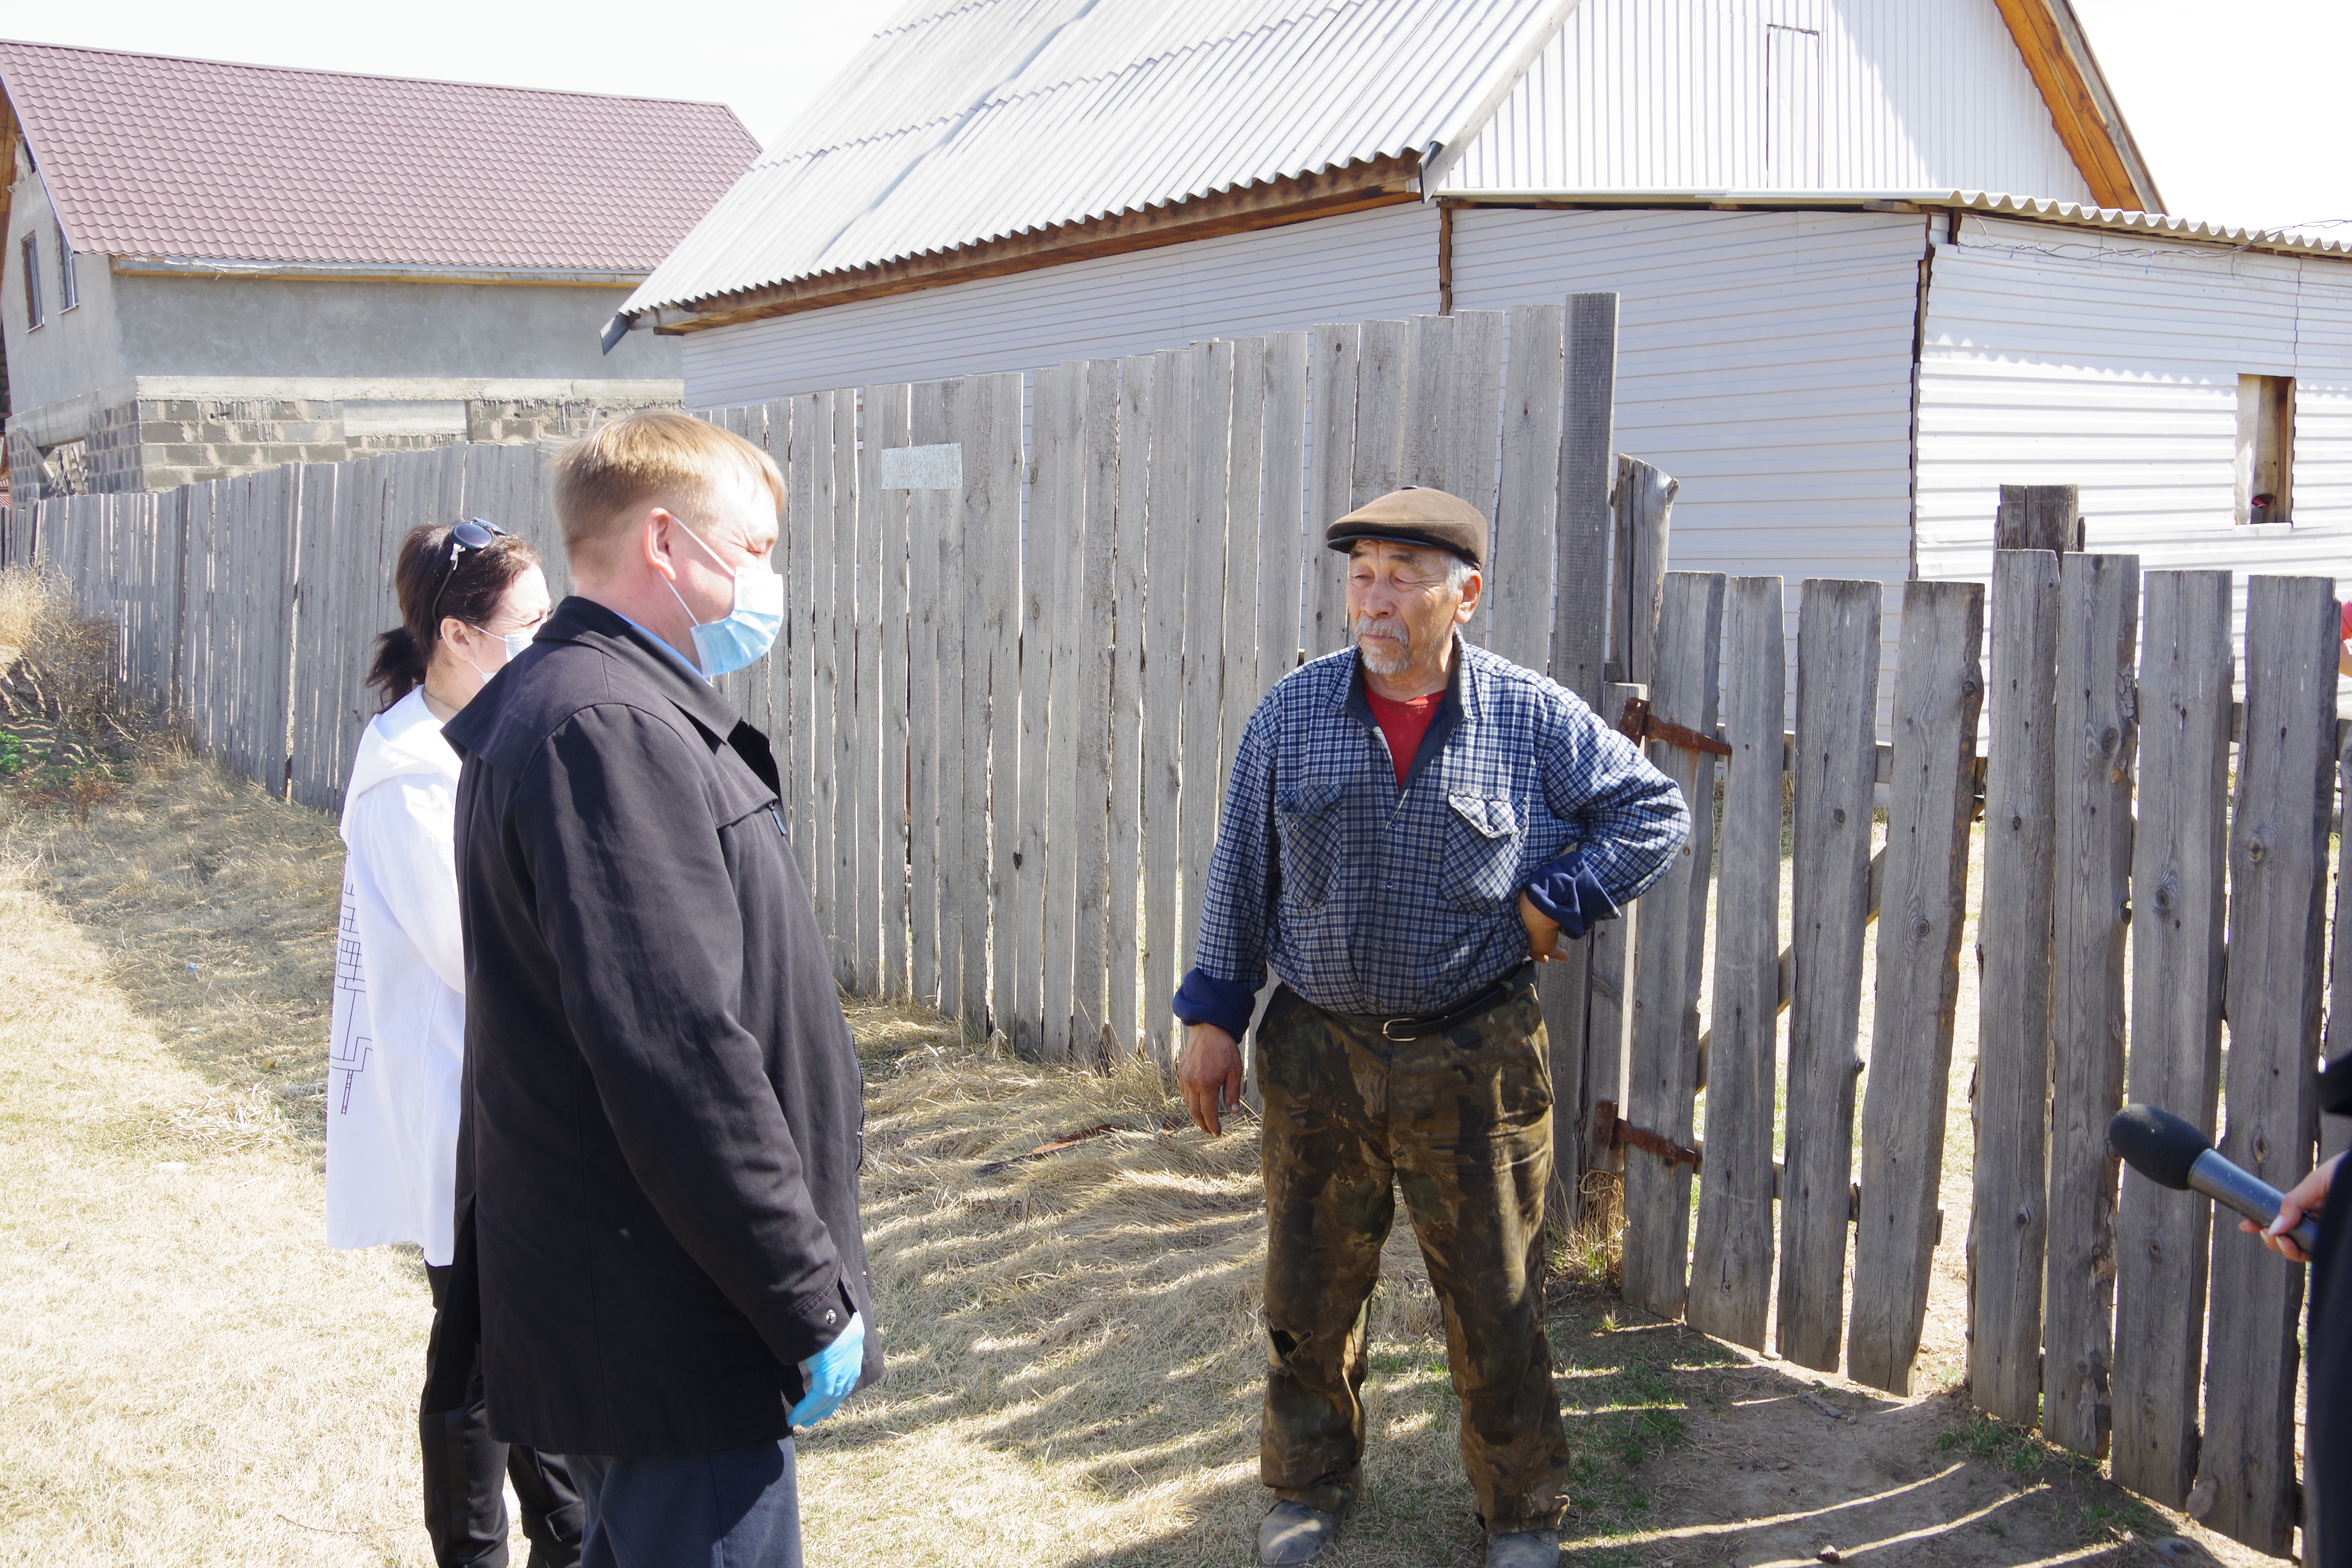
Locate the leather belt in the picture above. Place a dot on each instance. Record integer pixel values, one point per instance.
(1399, 1029)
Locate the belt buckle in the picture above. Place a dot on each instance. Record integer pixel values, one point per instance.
(1388, 1028)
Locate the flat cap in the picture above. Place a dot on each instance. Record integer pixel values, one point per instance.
(1416, 515)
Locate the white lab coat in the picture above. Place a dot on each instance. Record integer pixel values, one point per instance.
(399, 1026)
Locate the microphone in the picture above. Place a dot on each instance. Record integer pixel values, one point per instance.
(2172, 1153)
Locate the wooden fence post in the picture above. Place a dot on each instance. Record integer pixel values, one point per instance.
(1835, 764)
(1663, 1080)
(890, 412)
(1085, 699)
(1731, 1269)
(1923, 899)
(1124, 940)
(1035, 944)
(2177, 858)
(927, 513)
(1166, 548)
(991, 522)
(1204, 607)
(2038, 516)
(2278, 857)
(2098, 620)
(1643, 514)
(2013, 958)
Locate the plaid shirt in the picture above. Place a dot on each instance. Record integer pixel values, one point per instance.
(1371, 898)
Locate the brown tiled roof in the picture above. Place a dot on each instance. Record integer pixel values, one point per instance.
(148, 155)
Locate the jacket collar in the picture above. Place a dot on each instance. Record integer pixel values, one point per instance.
(1463, 687)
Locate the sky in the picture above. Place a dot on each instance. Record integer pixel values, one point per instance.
(2232, 101)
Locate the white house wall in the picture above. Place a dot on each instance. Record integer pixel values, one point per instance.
(2111, 363)
(1358, 267)
(1677, 95)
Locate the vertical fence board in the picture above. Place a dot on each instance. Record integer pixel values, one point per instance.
(1244, 479)
(993, 523)
(890, 414)
(1428, 382)
(2012, 1087)
(2278, 860)
(2179, 852)
(873, 699)
(802, 526)
(1382, 362)
(852, 923)
(1468, 425)
(1124, 934)
(1092, 631)
(827, 437)
(1731, 1269)
(1283, 550)
(1664, 1076)
(927, 512)
(1331, 480)
(1588, 463)
(2098, 619)
(1040, 926)
(1527, 496)
(1170, 504)
(1835, 764)
(1205, 600)
(1923, 899)
(1641, 522)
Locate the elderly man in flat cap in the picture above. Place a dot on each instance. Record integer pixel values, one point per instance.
(1410, 824)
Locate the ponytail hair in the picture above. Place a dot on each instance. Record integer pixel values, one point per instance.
(430, 587)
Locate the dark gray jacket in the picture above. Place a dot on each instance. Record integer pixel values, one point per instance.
(663, 1122)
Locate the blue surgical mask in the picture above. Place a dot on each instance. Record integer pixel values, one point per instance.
(745, 634)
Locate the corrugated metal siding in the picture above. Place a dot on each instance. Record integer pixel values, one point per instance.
(2111, 363)
(1668, 95)
(1007, 116)
(1382, 263)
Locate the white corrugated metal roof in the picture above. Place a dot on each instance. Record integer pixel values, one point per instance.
(958, 124)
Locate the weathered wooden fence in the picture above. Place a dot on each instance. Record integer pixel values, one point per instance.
(1029, 617)
(2115, 1315)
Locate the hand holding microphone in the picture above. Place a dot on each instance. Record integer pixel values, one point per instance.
(2173, 1153)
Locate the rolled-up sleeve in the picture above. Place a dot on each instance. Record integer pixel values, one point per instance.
(1237, 910)
(1629, 818)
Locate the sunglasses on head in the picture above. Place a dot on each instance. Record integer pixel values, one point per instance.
(474, 533)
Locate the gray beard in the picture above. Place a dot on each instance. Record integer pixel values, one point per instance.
(1383, 663)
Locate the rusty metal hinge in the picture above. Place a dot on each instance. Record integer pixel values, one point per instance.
(1610, 1130)
(1638, 723)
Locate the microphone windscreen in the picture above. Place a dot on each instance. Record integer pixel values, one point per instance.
(2156, 1144)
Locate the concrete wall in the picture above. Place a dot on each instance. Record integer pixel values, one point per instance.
(285, 327)
(73, 351)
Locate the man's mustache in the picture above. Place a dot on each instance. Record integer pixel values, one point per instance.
(1382, 625)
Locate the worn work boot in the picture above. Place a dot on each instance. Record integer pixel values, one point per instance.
(1523, 1549)
(1292, 1534)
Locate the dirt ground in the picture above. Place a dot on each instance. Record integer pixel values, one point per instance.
(186, 1374)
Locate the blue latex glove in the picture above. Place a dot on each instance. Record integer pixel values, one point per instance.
(832, 1373)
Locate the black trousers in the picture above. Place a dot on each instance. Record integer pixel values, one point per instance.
(740, 1507)
(464, 1468)
(2329, 1429)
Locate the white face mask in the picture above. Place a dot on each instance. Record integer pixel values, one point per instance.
(514, 643)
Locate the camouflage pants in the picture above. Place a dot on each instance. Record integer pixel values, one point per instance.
(1461, 1121)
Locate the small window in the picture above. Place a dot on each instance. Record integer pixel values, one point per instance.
(32, 281)
(68, 286)
(2266, 448)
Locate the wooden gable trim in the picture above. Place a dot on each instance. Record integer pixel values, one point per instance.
(2081, 109)
(1379, 182)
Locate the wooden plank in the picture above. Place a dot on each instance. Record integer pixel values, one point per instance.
(1170, 512)
(2179, 856)
(1922, 903)
(1835, 766)
(1518, 578)
(2278, 879)
(2099, 605)
(1043, 880)
(1124, 934)
(866, 788)
(1731, 1266)
(890, 415)
(1607, 995)
(823, 686)
(2012, 1083)
(1467, 423)
(1662, 1079)
(1642, 523)
(849, 921)
(1587, 465)
(2038, 516)
(992, 535)
(1092, 631)
(928, 513)
(962, 713)
(1244, 482)
(1283, 547)
(1201, 742)
(1429, 382)
(806, 457)
(1383, 355)
(1331, 458)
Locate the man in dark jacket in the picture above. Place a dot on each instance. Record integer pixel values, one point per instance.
(657, 1165)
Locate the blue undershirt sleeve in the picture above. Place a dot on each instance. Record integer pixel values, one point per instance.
(1564, 890)
(1205, 999)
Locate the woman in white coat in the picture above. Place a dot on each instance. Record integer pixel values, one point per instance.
(470, 597)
